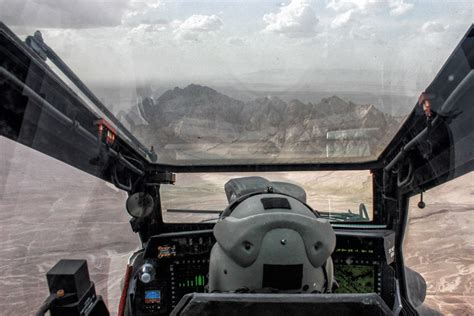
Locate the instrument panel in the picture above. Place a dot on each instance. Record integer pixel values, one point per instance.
(174, 264)
(362, 263)
(181, 265)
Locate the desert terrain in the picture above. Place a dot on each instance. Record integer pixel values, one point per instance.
(49, 211)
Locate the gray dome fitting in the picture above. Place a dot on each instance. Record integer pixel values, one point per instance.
(275, 241)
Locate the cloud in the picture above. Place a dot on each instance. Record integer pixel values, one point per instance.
(345, 5)
(399, 7)
(353, 15)
(365, 32)
(235, 41)
(63, 13)
(144, 12)
(297, 19)
(194, 27)
(134, 19)
(145, 35)
(396, 7)
(342, 19)
(153, 4)
(433, 27)
(148, 28)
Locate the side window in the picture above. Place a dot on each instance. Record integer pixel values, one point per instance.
(439, 244)
(51, 211)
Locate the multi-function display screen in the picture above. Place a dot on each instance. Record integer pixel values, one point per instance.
(152, 297)
(355, 278)
(187, 277)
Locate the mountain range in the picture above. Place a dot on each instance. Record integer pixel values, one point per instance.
(198, 122)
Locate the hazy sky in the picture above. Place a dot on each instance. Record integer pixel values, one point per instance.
(392, 45)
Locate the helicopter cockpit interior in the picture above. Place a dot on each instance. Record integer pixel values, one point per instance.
(265, 238)
(264, 242)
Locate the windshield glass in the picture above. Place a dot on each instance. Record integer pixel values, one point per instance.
(252, 82)
(340, 196)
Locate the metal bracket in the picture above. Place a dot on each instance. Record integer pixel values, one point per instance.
(126, 187)
(156, 178)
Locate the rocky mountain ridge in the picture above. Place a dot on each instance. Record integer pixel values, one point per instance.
(186, 117)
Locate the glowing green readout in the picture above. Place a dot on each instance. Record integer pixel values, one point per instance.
(198, 280)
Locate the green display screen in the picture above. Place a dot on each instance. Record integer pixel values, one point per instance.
(190, 282)
(355, 278)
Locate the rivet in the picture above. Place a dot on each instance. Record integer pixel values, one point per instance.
(317, 245)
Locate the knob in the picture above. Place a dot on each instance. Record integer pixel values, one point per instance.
(147, 273)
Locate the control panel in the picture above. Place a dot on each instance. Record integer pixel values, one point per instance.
(180, 264)
(175, 264)
(362, 263)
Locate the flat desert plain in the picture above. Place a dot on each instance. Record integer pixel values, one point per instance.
(49, 211)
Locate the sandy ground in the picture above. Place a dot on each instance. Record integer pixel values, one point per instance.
(49, 211)
(439, 244)
(326, 191)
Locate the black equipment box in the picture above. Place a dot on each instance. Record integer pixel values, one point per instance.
(72, 276)
(73, 290)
